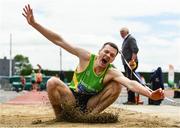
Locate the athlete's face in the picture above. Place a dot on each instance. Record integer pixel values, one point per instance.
(106, 56)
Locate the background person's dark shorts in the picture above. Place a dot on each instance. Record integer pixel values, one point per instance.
(81, 100)
(38, 82)
(33, 81)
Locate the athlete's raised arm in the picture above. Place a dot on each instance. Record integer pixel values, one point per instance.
(52, 36)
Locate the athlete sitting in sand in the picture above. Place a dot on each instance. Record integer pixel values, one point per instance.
(95, 84)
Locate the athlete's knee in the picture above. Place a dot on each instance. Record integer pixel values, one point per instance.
(52, 83)
(118, 88)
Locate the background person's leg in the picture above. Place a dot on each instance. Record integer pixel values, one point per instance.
(130, 94)
(130, 75)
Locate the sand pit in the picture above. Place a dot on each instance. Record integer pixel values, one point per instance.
(43, 116)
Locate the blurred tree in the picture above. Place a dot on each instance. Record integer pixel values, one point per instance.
(22, 65)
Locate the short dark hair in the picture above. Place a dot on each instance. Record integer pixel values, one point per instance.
(112, 45)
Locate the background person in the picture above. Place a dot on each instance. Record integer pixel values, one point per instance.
(39, 77)
(129, 50)
(23, 82)
(33, 80)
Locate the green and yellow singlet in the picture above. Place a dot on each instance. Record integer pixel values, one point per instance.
(87, 81)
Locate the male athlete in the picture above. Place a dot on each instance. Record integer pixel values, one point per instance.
(95, 84)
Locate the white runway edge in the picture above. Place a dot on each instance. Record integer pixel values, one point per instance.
(165, 111)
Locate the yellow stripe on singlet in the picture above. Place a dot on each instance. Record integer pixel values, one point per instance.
(75, 81)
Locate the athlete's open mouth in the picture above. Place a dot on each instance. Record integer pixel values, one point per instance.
(104, 61)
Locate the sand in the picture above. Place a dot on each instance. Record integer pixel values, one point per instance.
(43, 116)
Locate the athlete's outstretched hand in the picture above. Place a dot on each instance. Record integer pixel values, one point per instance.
(157, 94)
(28, 14)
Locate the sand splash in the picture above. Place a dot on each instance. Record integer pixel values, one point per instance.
(73, 114)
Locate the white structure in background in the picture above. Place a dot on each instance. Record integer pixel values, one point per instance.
(171, 76)
(10, 57)
(60, 53)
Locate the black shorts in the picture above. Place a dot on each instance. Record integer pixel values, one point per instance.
(33, 81)
(38, 82)
(81, 100)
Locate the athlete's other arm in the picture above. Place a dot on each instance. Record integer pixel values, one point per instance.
(137, 87)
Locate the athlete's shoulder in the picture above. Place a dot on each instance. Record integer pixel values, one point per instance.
(114, 72)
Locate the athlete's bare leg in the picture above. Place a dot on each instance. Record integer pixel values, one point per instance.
(105, 98)
(59, 94)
